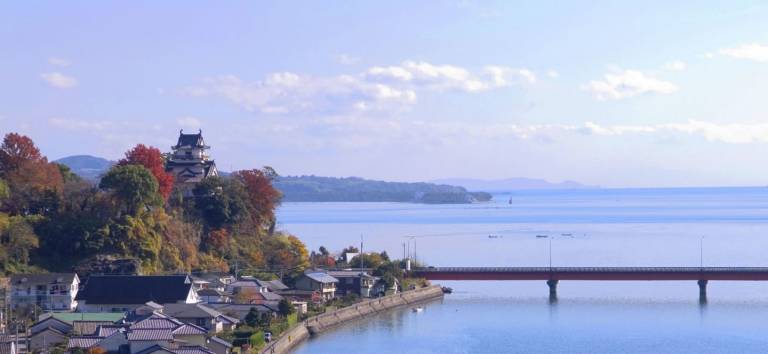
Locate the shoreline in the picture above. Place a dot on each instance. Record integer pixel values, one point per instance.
(318, 324)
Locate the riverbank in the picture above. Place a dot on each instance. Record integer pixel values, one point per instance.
(321, 323)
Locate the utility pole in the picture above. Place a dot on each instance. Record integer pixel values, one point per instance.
(550, 254)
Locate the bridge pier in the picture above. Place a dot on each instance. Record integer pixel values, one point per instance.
(552, 284)
(703, 291)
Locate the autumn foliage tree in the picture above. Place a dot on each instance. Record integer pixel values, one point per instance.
(152, 159)
(263, 197)
(16, 150)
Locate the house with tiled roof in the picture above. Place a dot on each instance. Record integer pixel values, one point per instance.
(200, 315)
(219, 346)
(121, 293)
(48, 291)
(318, 281)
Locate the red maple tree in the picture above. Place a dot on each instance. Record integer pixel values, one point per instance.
(263, 196)
(16, 150)
(152, 159)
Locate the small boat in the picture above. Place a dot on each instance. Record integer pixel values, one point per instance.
(493, 236)
(541, 236)
(567, 235)
(447, 290)
(417, 309)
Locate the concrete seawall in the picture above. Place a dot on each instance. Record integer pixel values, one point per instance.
(320, 323)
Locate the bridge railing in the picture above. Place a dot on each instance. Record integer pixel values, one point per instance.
(592, 269)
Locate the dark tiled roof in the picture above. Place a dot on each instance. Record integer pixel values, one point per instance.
(190, 311)
(211, 292)
(48, 278)
(150, 334)
(221, 341)
(87, 328)
(275, 285)
(82, 342)
(134, 289)
(106, 331)
(189, 329)
(153, 349)
(193, 140)
(157, 321)
(231, 320)
(321, 277)
(193, 350)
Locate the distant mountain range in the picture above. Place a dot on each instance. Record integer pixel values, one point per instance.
(510, 184)
(87, 166)
(322, 189)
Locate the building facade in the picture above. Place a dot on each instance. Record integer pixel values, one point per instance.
(189, 163)
(50, 292)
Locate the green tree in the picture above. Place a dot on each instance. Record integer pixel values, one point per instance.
(220, 201)
(252, 318)
(133, 186)
(285, 308)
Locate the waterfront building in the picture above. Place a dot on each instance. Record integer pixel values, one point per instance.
(318, 281)
(189, 163)
(50, 292)
(354, 282)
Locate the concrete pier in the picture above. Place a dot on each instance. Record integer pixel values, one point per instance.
(703, 291)
(552, 284)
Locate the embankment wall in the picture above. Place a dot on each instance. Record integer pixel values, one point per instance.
(320, 323)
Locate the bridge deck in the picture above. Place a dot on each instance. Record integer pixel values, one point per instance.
(593, 273)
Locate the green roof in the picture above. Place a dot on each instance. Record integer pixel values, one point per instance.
(69, 317)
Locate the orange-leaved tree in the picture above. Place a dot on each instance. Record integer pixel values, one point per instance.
(152, 159)
(262, 196)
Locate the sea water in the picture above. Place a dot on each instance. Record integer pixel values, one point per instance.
(595, 227)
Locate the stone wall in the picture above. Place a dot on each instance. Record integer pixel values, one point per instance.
(320, 323)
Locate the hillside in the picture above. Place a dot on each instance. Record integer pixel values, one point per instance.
(510, 184)
(354, 189)
(87, 166)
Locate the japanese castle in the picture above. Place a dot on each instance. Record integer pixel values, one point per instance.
(188, 162)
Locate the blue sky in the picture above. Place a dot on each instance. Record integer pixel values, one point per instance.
(606, 93)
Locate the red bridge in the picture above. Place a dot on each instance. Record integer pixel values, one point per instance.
(554, 274)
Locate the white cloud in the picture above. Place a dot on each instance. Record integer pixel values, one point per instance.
(346, 59)
(553, 74)
(676, 65)
(58, 61)
(288, 92)
(189, 122)
(628, 83)
(379, 88)
(59, 80)
(751, 51)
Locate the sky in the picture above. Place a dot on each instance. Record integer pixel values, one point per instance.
(616, 94)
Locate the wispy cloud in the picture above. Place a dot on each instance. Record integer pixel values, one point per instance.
(59, 80)
(59, 61)
(628, 83)
(79, 124)
(379, 88)
(751, 51)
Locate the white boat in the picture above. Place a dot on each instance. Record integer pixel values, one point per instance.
(418, 309)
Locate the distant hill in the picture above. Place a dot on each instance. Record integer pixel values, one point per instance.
(87, 166)
(354, 189)
(510, 184)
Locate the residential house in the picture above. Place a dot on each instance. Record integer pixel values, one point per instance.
(54, 328)
(121, 293)
(215, 281)
(239, 311)
(354, 282)
(219, 346)
(50, 292)
(200, 315)
(164, 331)
(213, 296)
(318, 281)
(47, 333)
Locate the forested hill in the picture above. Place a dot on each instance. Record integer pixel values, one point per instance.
(354, 189)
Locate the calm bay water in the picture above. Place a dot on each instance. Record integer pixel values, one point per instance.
(639, 227)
